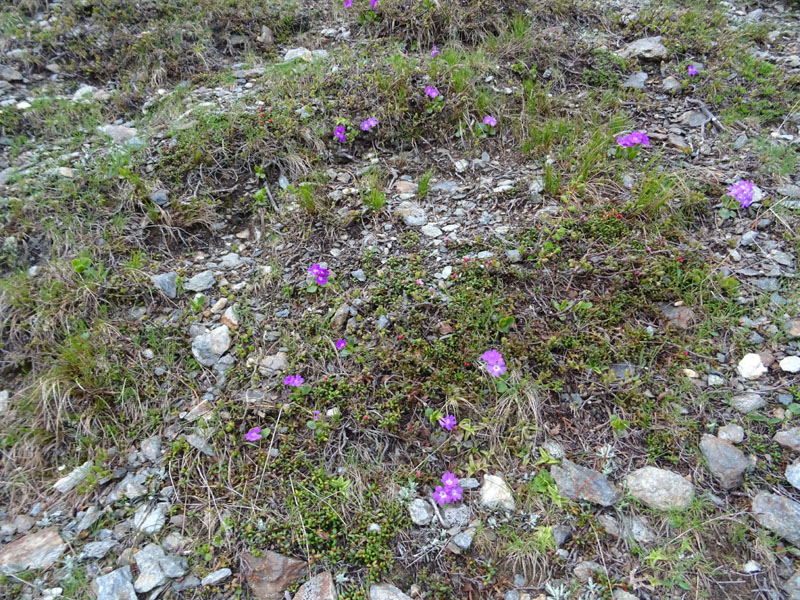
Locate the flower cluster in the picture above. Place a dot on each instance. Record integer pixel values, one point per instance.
(431, 92)
(691, 70)
(448, 422)
(435, 51)
(320, 274)
(494, 363)
(293, 380)
(449, 491)
(743, 192)
(369, 124)
(253, 435)
(340, 134)
(490, 121)
(341, 344)
(634, 138)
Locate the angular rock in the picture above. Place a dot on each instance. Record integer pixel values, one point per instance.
(97, 550)
(456, 515)
(295, 53)
(150, 519)
(680, 316)
(117, 585)
(650, 47)
(751, 367)
(269, 575)
(386, 591)
(579, 483)
(679, 142)
(200, 282)
(731, 433)
(174, 566)
(9, 73)
(629, 528)
(670, 84)
(421, 512)
(635, 80)
(319, 587)
(274, 364)
(167, 283)
(431, 231)
(35, 551)
(231, 261)
(792, 474)
(778, 514)
(790, 364)
(216, 577)
(792, 586)
(725, 461)
(340, 317)
(151, 448)
(660, 489)
(496, 494)
(160, 197)
(586, 569)
(200, 443)
(209, 347)
(148, 561)
(118, 133)
(748, 402)
(788, 438)
(76, 477)
(412, 214)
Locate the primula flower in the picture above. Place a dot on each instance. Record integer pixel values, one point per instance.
(340, 134)
(634, 138)
(743, 192)
(340, 344)
(253, 435)
(691, 70)
(490, 121)
(348, 3)
(293, 380)
(440, 495)
(449, 480)
(435, 51)
(496, 369)
(316, 415)
(320, 274)
(455, 493)
(448, 422)
(431, 92)
(369, 124)
(492, 357)
(373, 3)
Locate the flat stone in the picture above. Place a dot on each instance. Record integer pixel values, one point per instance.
(634, 528)
(35, 551)
(586, 569)
(9, 73)
(778, 514)
(726, 462)
(118, 133)
(319, 587)
(200, 282)
(200, 443)
(748, 402)
(301, 53)
(431, 231)
(167, 283)
(150, 519)
(650, 47)
(386, 591)
(231, 261)
(117, 585)
(680, 316)
(670, 84)
(412, 214)
(788, 438)
(679, 142)
(339, 319)
(216, 577)
(273, 364)
(751, 367)
(792, 474)
(636, 80)
(456, 515)
(790, 364)
(269, 575)
(97, 550)
(208, 348)
(148, 561)
(151, 448)
(579, 483)
(731, 433)
(660, 489)
(160, 197)
(77, 476)
(420, 511)
(496, 494)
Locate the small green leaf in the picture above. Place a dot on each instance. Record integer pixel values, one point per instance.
(504, 324)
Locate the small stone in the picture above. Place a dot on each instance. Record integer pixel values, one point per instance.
(751, 566)
(167, 283)
(731, 433)
(150, 519)
(66, 172)
(84, 92)
(670, 84)
(273, 364)
(456, 515)
(726, 462)
(513, 256)
(269, 575)
(230, 318)
(619, 594)
(496, 494)
(386, 591)
(117, 585)
(431, 231)
(412, 214)
(118, 133)
(748, 402)
(209, 347)
(151, 575)
(660, 489)
(790, 364)
(680, 316)
(200, 282)
(77, 476)
(9, 73)
(216, 577)
(586, 570)
(97, 550)
(778, 514)
(579, 483)
(789, 438)
(650, 47)
(636, 80)
(751, 367)
(421, 512)
(679, 142)
(792, 474)
(200, 444)
(339, 319)
(160, 197)
(295, 53)
(319, 587)
(715, 380)
(151, 448)
(359, 275)
(35, 551)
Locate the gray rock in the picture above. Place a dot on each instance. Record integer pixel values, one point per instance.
(339, 319)
(148, 561)
(789, 438)
(670, 84)
(680, 316)
(496, 494)
(513, 256)
(35, 551)
(97, 550)
(579, 483)
(778, 514)
(188, 583)
(150, 519)
(636, 80)
(650, 47)
(319, 587)
(118, 133)
(792, 586)
(726, 462)
(768, 284)
(619, 594)
(586, 570)
(412, 214)
(359, 275)
(160, 197)
(9, 73)
(421, 512)
(748, 402)
(274, 364)
(790, 364)
(386, 591)
(199, 443)
(561, 533)
(295, 53)
(77, 476)
(216, 577)
(174, 566)
(463, 540)
(209, 347)
(660, 489)
(231, 261)
(790, 190)
(200, 282)
(634, 528)
(151, 448)
(117, 585)
(731, 433)
(167, 283)
(456, 515)
(793, 474)
(131, 487)
(431, 231)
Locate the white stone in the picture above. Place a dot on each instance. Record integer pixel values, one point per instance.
(76, 477)
(790, 364)
(751, 367)
(495, 493)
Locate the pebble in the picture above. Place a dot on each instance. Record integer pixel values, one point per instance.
(788, 438)
(748, 402)
(650, 47)
(420, 511)
(200, 282)
(412, 214)
(209, 347)
(150, 519)
(636, 80)
(751, 367)
(790, 364)
(778, 514)
(117, 585)
(660, 489)
(579, 483)
(216, 577)
(726, 462)
(386, 591)
(431, 231)
(792, 474)
(496, 494)
(731, 433)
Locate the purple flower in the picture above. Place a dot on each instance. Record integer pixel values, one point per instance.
(490, 121)
(369, 124)
(320, 274)
(634, 138)
(496, 369)
(435, 51)
(431, 92)
(692, 70)
(373, 3)
(743, 192)
(341, 344)
(455, 493)
(449, 480)
(348, 3)
(293, 380)
(253, 435)
(448, 422)
(492, 357)
(316, 415)
(440, 495)
(340, 134)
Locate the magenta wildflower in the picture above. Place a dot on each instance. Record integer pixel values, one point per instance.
(431, 92)
(369, 124)
(316, 415)
(348, 3)
(435, 51)
(373, 3)
(440, 495)
(293, 380)
(340, 134)
(320, 274)
(691, 70)
(341, 344)
(743, 192)
(449, 480)
(496, 369)
(448, 422)
(253, 435)
(492, 357)
(455, 493)
(490, 121)
(634, 138)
